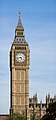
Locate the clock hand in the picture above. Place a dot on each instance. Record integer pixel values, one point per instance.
(21, 58)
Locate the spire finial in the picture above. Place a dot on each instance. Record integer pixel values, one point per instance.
(19, 13)
(19, 25)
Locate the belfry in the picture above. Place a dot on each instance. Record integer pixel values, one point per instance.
(19, 71)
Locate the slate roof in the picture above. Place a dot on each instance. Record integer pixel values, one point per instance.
(19, 25)
(20, 40)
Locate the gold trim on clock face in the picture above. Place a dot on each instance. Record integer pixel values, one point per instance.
(20, 57)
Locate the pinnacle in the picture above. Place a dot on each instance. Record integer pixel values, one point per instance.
(19, 25)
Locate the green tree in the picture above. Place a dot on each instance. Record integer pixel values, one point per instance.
(34, 116)
(17, 116)
(50, 112)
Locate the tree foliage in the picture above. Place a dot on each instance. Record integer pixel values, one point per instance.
(34, 116)
(50, 112)
(17, 116)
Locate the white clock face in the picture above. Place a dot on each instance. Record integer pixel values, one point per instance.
(20, 57)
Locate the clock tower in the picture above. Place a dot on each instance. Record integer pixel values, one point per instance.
(19, 71)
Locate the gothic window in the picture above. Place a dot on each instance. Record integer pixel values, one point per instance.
(22, 75)
(17, 75)
(17, 88)
(22, 88)
(27, 88)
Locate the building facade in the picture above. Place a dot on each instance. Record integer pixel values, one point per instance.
(39, 109)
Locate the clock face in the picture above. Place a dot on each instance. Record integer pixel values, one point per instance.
(20, 57)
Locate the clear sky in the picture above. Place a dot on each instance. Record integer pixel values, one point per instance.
(39, 21)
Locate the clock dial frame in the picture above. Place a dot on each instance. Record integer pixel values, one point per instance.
(20, 57)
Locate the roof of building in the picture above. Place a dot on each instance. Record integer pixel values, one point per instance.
(19, 34)
(20, 40)
(19, 25)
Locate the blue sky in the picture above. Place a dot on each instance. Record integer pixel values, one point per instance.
(39, 21)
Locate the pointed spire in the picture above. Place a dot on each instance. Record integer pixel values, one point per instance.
(19, 25)
(19, 29)
(19, 33)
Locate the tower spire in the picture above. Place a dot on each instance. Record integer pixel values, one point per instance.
(19, 28)
(19, 25)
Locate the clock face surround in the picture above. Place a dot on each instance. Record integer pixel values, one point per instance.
(20, 57)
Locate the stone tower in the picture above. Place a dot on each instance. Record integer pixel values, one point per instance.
(19, 71)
